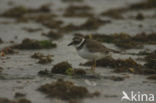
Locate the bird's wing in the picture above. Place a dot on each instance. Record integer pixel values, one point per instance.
(95, 46)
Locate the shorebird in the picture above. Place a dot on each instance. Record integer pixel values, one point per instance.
(90, 49)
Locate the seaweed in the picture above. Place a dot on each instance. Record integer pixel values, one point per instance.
(19, 95)
(37, 55)
(116, 78)
(45, 60)
(46, 44)
(78, 11)
(1, 69)
(121, 40)
(42, 58)
(79, 71)
(116, 13)
(44, 8)
(140, 16)
(148, 4)
(44, 72)
(151, 56)
(53, 35)
(61, 68)
(21, 100)
(93, 24)
(16, 12)
(66, 69)
(46, 19)
(5, 100)
(19, 11)
(74, 72)
(7, 50)
(69, 71)
(151, 64)
(152, 77)
(125, 41)
(69, 28)
(125, 65)
(143, 53)
(145, 38)
(32, 29)
(41, 15)
(90, 24)
(56, 24)
(70, 91)
(1, 41)
(151, 60)
(148, 71)
(119, 65)
(30, 44)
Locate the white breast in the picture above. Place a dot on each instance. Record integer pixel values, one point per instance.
(84, 53)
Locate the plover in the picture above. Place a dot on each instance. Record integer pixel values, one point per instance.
(90, 49)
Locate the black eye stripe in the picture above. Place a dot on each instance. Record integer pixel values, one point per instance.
(76, 41)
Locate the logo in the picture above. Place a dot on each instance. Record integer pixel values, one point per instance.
(137, 96)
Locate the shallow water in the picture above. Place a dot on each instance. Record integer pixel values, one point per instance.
(20, 71)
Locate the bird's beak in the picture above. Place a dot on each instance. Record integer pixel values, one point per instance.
(70, 44)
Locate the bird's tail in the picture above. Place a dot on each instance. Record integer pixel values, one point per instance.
(119, 52)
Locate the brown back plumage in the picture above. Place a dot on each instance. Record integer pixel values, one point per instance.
(94, 46)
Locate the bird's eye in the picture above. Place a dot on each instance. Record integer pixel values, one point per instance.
(76, 41)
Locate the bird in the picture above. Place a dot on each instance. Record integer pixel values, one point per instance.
(90, 49)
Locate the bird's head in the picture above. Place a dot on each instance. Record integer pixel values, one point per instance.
(77, 41)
